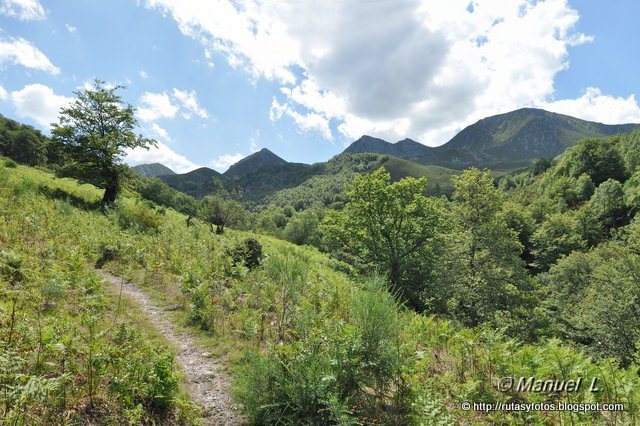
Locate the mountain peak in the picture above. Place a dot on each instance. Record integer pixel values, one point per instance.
(153, 170)
(368, 143)
(253, 162)
(504, 141)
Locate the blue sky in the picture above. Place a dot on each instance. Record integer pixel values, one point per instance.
(214, 81)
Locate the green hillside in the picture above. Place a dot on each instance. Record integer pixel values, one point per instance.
(392, 307)
(196, 183)
(502, 142)
(286, 367)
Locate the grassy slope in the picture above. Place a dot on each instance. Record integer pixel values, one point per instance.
(77, 353)
(237, 309)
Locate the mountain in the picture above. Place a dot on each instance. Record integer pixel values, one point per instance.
(196, 183)
(406, 149)
(504, 141)
(252, 163)
(153, 170)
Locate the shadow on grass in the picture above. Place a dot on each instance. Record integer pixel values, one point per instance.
(74, 200)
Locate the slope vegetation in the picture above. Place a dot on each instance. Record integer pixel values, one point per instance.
(306, 340)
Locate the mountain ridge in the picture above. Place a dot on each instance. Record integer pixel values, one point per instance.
(510, 140)
(502, 142)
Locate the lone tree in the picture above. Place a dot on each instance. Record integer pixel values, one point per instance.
(92, 135)
(392, 225)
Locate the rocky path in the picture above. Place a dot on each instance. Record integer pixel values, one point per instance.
(206, 381)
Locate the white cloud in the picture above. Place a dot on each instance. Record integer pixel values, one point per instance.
(155, 106)
(160, 132)
(18, 51)
(189, 100)
(417, 68)
(254, 141)
(70, 28)
(25, 10)
(595, 106)
(223, 162)
(39, 103)
(160, 154)
(3, 94)
(143, 74)
(310, 121)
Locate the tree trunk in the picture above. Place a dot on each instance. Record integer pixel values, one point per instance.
(111, 190)
(395, 274)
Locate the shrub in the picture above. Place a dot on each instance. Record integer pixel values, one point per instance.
(248, 253)
(10, 164)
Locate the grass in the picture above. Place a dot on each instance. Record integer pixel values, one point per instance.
(420, 377)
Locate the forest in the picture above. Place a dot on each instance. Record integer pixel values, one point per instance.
(354, 297)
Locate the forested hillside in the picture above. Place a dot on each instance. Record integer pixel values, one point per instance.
(393, 305)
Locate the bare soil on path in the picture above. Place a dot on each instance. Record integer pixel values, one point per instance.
(206, 382)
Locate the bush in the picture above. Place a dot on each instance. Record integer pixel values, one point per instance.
(248, 253)
(10, 164)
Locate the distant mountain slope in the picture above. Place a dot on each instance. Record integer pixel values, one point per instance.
(326, 186)
(504, 141)
(153, 170)
(253, 162)
(196, 183)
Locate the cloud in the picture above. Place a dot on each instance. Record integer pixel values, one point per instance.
(3, 94)
(310, 121)
(155, 106)
(39, 103)
(18, 51)
(70, 28)
(160, 132)
(189, 100)
(223, 162)
(143, 74)
(595, 106)
(160, 154)
(418, 68)
(25, 10)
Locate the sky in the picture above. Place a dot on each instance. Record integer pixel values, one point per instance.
(215, 80)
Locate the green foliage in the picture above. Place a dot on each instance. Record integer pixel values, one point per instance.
(156, 190)
(10, 164)
(138, 217)
(22, 143)
(302, 228)
(390, 226)
(598, 158)
(220, 211)
(596, 296)
(325, 347)
(92, 135)
(632, 193)
(607, 204)
(556, 237)
(64, 357)
(248, 253)
(483, 269)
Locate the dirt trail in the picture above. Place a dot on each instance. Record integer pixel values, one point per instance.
(206, 381)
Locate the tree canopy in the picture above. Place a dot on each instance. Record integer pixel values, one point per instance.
(388, 225)
(92, 135)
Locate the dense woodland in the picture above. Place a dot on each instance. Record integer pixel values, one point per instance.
(398, 305)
